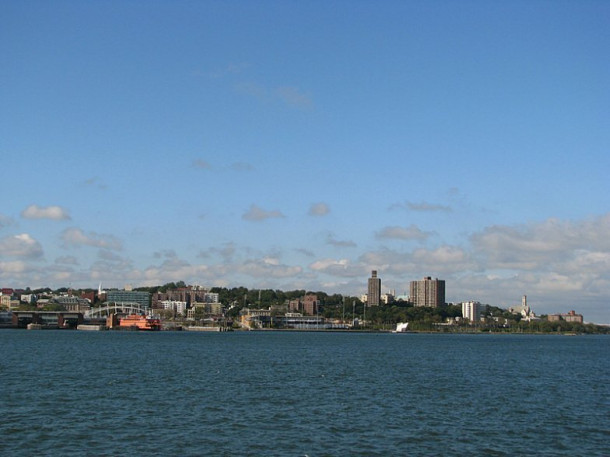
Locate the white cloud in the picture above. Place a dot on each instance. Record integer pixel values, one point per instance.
(16, 269)
(268, 267)
(55, 213)
(66, 260)
(22, 245)
(109, 256)
(319, 209)
(306, 252)
(337, 267)
(256, 213)
(76, 237)
(339, 243)
(545, 245)
(225, 252)
(403, 233)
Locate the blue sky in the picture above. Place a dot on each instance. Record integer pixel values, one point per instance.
(303, 144)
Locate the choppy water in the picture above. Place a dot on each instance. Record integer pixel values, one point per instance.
(295, 394)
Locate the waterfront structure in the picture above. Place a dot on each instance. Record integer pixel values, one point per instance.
(427, 292)
(471, 310)
(568, 317)
(255, 318)
(373, 297)
(46, 319)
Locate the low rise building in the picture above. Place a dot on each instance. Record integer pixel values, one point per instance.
(199, 310)
(5, 301)
(567, 317)
(255, 318)
(388, 297)
(71, 303)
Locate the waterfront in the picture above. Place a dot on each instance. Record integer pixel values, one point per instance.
(294, 393)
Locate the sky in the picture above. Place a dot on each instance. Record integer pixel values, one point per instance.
(301, 145)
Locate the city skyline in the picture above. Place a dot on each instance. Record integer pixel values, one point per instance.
(301, 146)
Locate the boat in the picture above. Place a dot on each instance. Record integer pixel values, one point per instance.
(139, 322)
(401, 327)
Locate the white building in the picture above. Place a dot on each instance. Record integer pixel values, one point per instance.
(211, 297)
(388, 297)
(471, 310)
(178, 306)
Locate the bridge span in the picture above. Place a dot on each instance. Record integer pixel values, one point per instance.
(116, 308)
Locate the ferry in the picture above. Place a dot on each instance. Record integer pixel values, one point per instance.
(139, 322)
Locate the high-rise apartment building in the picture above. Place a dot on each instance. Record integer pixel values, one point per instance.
(427, 292)
(471, 310)
(374, 290)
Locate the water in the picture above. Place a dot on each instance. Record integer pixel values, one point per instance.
(293, 394)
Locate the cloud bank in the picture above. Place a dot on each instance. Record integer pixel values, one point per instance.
(55, 213)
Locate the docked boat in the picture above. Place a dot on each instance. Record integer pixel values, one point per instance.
(139, 322)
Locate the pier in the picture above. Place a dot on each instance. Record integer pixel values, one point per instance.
(47, 319)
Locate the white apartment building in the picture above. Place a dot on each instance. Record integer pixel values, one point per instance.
(174, 305)
(471, 310)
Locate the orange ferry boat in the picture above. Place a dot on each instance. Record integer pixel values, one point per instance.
(139, 322)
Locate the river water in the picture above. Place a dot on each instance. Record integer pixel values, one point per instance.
(303, 393)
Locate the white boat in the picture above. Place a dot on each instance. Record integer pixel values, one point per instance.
(401, 327)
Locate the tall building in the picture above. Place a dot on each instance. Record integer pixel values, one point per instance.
(374, 290)
(428, 292)
(471, 310)
(308, 305)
